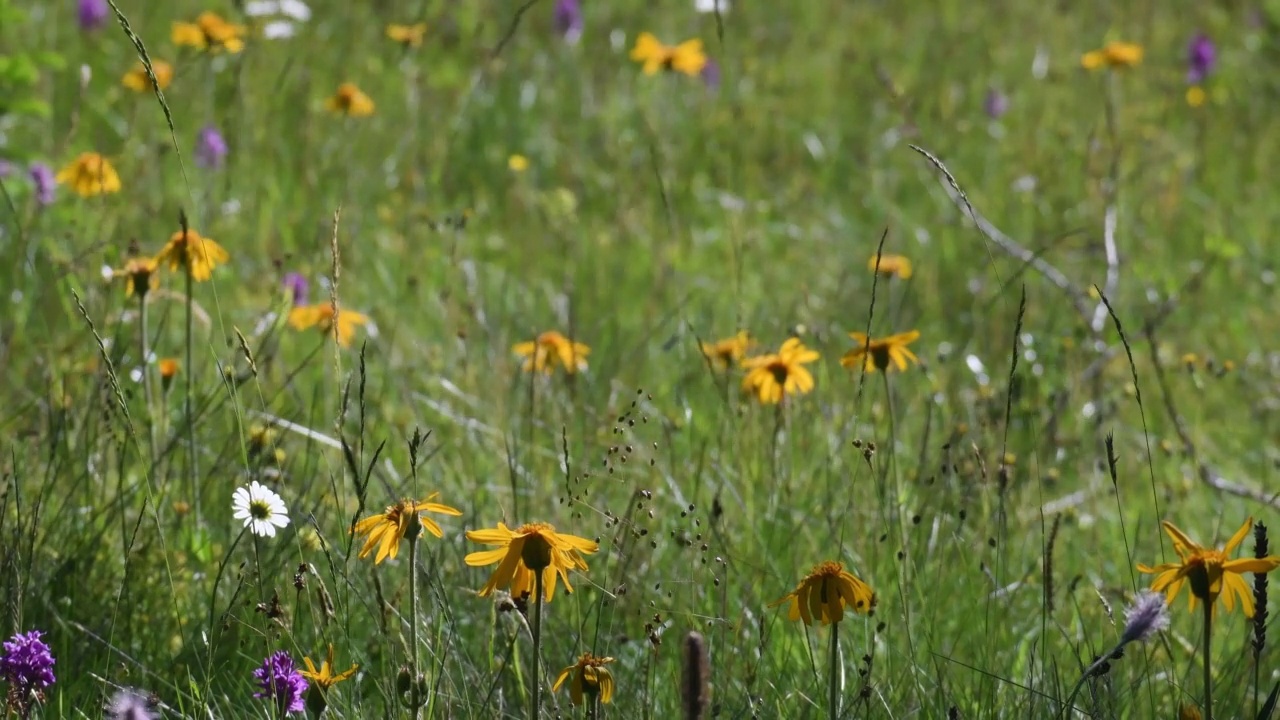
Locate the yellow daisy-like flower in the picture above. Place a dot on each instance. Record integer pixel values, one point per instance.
(351, 101)
(775, 376)
(1115, 54)
(890, 265)
(139, 276)
(588, 677)
(518, 163)
(530, 548)
(725, 353)
(825, 593)
(407, 35)
(325, 677)
(875, 354)
(550, 349)
(186, 250)
(1209, 571)
(320, 316)
(209, 32)
(138, 81)
(1196, 96)
(687, 57)
(168, 371)
(88, 175)
(385, 530)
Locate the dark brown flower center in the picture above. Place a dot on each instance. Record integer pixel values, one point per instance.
(880, 356)
(779, 371)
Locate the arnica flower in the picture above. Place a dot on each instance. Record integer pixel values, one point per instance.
(1115, 54)
(92, 14)
(321, 680)
(27, 665)
(890, 265)
(187, 250)
(530, 548)
(775, 376)
(209, 32)
(138, 80)
(568, 19)
(825, 593)
(587, 678)
(261, 509)
(1209, 571)
(726, 353)
(129, 704)
(139, 276)
(320, 316)
(349, 100)
(42, 178)
(385, 530)
(1201, 58)
(687, 57)
(874, 354)
(550, 349)
(211, 148)
(282, 683)
(89, 174)
(407, 35)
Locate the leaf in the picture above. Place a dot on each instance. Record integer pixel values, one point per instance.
(1269, 707)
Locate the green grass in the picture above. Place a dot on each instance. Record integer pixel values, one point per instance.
(655, 213)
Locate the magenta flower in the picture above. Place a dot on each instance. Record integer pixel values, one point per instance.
(996, 104)
(27, 666)
(211, 148)
(569, 20)
(297, 285)
(281, 682)
(1201, 57)
(43, 180)
(93, 14)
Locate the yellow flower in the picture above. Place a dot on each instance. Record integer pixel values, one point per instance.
(773, 377)
(877, 354)
(687, 57)
(89, 174)
(590, 677)
(407, 35)
(209, 32)
(188, 251)
(1195, 96)
(168, 371)
(825, 593)
(387, 529)
(139, 276)
(530, 548)
(1115, 54)
(1209, 571)
(324, 677)
(349, 100)
(518, 163)
(727, 352)
(549, 349)
(320, 316)
(138, 81)
(890, 265)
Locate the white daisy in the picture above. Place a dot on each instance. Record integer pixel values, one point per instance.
(261, 509)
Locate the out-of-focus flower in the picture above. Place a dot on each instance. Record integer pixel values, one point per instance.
(568, 16)
(92, 14)
(687, 57)
(711, 74)
(187, 250)
(129, 704)
(996, 104)
(891, 265)
(349, 100)
(280, 681)
(776, 376)
(320, 316)
(139, 276)
(89, 174)
(552, 348)
(209, 32)
(281, 18)
(711, 6)
(1115, 54)
(407, 35)
(211, 148)
(881, 354)
(1202, 56)
(1148, 615)
(297, 286)
(726, 353)
(42, 178)
(518, 163)
(138, 80)
(168, 371)
(1196, 96)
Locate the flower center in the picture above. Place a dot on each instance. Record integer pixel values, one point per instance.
(779, 371)
(880, 356)
(1205, 574)
(259, 510)
(536, 550)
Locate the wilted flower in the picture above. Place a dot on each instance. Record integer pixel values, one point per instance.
(42, 178)
(349, 100)
(27, 665)
(1201, 58)
(261, 509)
(568, 14)
(1148, 615)
(92, 14)
(129, 704)
(281, 682)
(996, 104)
(530, 548)
(89, 174)
(138, 80)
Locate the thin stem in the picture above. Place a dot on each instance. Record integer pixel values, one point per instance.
(415, 701)
(537, 645)
(1208, 662)
(188, 374)
(834, 689)
(1088, 673)
(152, 414)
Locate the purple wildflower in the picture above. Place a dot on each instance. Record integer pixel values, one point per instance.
(296, 284)
(996, 104)
(711, 74)
(569, 20)
(281, 682)
(27, 666)
(128, 704)
(93, 14)
(1148, 615)
(1201, 57)
(6, 168)
(43, 180)
(211, 148)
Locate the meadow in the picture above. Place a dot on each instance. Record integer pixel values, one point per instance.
(652, 313)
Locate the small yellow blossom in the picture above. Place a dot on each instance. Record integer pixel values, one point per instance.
(320, 316)
(168, 371)
(530, 548)
(878, 354)
(324, 677)
(776, 376)
(1196, 96)
(587, 678)
(726, 353)
(351, 101)
(407, 35)
(550, 349)
(1115, 54)
(188, 251)
(89, 174)
(138, 81)
(825, 593)
(209, 32)
(385, 530)
(687, 57)
(890, 265)
(139, 275)
(518, 163)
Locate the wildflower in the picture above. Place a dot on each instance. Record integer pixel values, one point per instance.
(209, 32)
(1196, 96)
(129, 704)
(890, 265)
(878, 354)
(727, 352)
(775, 376)
(1209, 571)
(824, 594)
(530, 548)
(89, 174)
(260, 508)
(296, 285)
(281, 682)
(711, 74)
(387, 529)
(211, 147)
(92, 14)
(320, 316)
(263, 443)
(687, 57)
(589, 677)
(350, 101)
(1115, 54)
(27, 665)
(138, 80)
(42, 178)
(407, 35)
(1201, 58)
(996, 104)
(322, 680)
(139, 276)
(188, 251)
(168, 371)
(550, 348)
(1148, 615)
(568, 19)
(518, 163)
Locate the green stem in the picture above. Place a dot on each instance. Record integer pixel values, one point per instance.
(1088, 673)
(415, 701)
(188, 373)
(537, 645)
(834, 689)
(152, 414)
(1208, 661)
